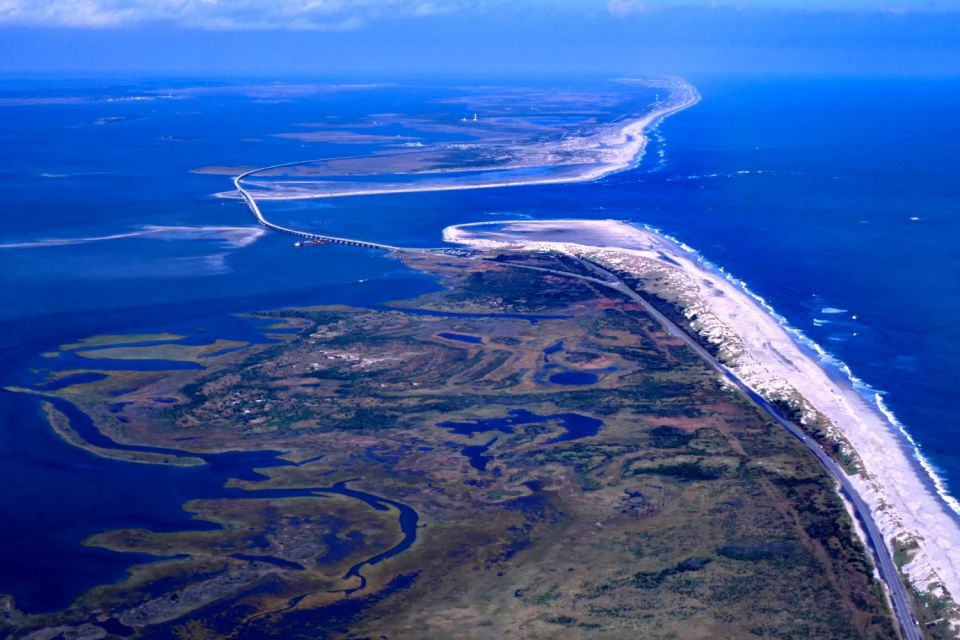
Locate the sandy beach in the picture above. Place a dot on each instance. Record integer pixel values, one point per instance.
(604, 151)
(779, 364)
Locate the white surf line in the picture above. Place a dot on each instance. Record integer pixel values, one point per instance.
(634, 133)
(901, 604)
(871, 396)
(872, 535)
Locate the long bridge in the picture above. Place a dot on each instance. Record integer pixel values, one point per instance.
(307, 237)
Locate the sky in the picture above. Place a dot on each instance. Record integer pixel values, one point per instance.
(480, 37)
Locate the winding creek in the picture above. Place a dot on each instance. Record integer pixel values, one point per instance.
(164, 489)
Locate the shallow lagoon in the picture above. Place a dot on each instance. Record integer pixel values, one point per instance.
(461, 337)
(573, 378)
(575, 425)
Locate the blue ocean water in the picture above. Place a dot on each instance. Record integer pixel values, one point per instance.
(836, 200)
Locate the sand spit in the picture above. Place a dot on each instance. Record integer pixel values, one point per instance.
(774, 361)
(232, 237)
(598, 153)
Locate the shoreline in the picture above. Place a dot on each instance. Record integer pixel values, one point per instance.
(831, 363)
(766, 355)
(778, 361)
(626, 142)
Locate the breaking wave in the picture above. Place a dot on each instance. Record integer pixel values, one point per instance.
(873, 397)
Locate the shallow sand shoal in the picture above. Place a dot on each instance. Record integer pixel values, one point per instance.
(608, 150)
(760, 350)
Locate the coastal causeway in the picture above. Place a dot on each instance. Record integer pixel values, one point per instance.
(905, 513)
(425, 468)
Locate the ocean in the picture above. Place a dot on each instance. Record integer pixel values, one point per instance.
(836, 201)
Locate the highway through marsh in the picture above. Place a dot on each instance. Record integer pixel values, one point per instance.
(887, 568)
(888, 571)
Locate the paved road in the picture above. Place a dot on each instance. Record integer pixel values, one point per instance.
(888, 570)
(311, 237)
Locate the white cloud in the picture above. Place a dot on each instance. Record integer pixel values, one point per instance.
(624, 8)
(343, 15)
(307, 15)
(621, 8)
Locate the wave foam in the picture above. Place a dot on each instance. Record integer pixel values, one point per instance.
(873, 397)
(928, 466)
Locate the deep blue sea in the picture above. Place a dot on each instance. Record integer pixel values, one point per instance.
(837, 201)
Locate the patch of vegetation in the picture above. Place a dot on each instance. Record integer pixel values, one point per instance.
(757, 552)
(666, 437)
(683, 471)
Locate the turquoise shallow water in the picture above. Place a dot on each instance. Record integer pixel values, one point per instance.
(837, 201)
